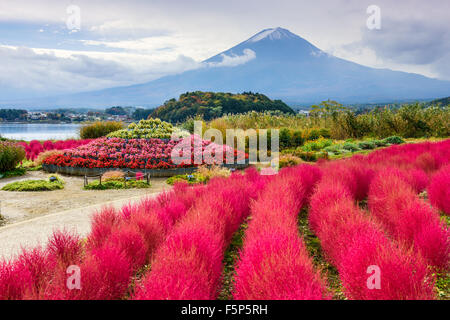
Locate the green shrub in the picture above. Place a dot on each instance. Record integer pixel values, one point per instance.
(145, 129)
(325, 133)
(317, 145)
(289, 160)
(285, 138)
(367, 145)
(99, 129)
(11, 155)
(297, 138)
(13, 173)
(350, 147)
(189, 178)
(393, 140)
(379, 143)
(117, 184)
(36, 185)
(310, 156)
(334, 149)
(313, 134)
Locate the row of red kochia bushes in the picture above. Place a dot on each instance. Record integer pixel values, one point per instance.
(357, 244)
(119, 244)
(122, 243)
(439, 190)
(189, 264)
(274, 262)
(403, 236)
(407, 218)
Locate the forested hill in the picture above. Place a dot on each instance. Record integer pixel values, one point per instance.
(211, 105)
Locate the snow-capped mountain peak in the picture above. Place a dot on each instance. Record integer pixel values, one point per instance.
(272, 34)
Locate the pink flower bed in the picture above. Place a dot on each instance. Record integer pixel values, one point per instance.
(34, 147)
(139, 154)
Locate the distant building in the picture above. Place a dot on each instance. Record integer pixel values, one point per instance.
(304, 112)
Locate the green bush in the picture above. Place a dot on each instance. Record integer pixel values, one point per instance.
(310, 156)
(350, 147)
(334, 149)
(11, 155)
(99, 129)
(189, 178)
(117, 184)
(317, 145)
(325, 133)
(367, 145)
(285, 138)
(393, 140)
(379, 143)
(13, 173)
(145, 129)
(36, 185)
(313, 134)
(289, 161)
(297, 138)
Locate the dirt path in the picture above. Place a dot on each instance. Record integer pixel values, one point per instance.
(31, 217)
(33, 232)
(21, 206)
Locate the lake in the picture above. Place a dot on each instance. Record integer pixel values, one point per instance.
(39, 131)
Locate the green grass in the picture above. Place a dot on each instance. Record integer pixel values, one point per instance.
(117, 184)
(315, 251)
(443, 286)
(13, 173)
(29, 166)
(229, 262)
(20, 170)
(189, 178)
(35, 185)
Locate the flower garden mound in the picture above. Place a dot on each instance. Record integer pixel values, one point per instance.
(152, 156)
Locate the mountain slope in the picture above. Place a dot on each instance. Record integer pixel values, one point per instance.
(279, 64)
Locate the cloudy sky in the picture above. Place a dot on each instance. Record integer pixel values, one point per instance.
(50, 47)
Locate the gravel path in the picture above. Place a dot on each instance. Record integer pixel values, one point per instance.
(33, 232)
(20, 206)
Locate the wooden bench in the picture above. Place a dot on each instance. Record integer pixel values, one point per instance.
(130, 175)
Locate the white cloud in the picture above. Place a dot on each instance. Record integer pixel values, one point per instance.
(43, 72)
(234, 60)
(135, 41)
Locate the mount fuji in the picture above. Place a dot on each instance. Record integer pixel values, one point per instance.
(279, 64)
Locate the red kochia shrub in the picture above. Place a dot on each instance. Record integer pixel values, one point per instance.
(65, 247)
(353, 242)
(408, 218)
(15, 280)
(102, 224)
(105, 275)
(274, 262)
(189, 263)
(187, 266)
(439, 190)
(403, 275)
(356, 173)
(129, 239)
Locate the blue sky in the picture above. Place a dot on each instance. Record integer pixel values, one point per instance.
(128, 42)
